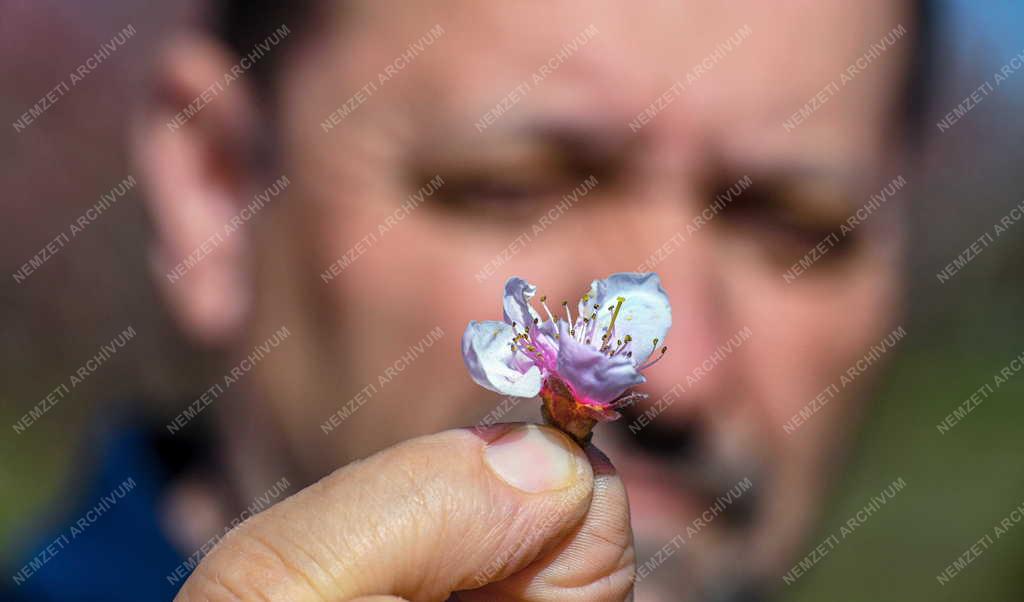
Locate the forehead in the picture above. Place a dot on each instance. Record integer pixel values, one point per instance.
(807, 79)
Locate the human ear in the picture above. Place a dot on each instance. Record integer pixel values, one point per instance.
(193, 142)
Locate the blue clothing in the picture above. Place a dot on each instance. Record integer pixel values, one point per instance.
(110, 546)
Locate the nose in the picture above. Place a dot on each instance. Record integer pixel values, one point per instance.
(656, 230)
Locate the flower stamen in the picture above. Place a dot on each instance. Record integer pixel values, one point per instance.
(623, 343)
(610, 331)
(655, 360)
(551, 316)
(593, 327)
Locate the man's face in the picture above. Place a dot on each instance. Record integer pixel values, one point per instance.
(515, 107)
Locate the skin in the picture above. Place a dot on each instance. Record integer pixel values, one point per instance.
(410, 521)
(653, 183)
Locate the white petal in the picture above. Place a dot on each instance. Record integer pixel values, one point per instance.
(645, 315)
(492, 363)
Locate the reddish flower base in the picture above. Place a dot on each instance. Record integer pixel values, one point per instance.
(562, 410)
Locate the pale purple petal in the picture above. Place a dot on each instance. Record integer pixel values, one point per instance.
(492, 363)
(645, 315)
(593, 375)
(547, 347)
(518, 293)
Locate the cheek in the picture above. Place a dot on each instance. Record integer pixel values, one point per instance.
(401, 305)
(805, 337)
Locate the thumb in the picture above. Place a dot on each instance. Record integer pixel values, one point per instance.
(595, 563)
(452, 511)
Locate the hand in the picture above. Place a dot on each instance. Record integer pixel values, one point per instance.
(511, 512)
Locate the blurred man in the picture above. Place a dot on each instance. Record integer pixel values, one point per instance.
(337, 188)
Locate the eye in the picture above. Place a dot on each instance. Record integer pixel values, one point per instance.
(513, 183)
(518, 176)
(788, 217)
(495, 195)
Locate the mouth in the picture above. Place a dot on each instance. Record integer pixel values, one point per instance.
(676, 482)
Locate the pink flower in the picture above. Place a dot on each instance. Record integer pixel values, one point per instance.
(589, 357)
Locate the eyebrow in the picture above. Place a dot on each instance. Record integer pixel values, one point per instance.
(790, 167)
(587, 138)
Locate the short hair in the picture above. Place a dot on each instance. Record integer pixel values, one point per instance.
(242, 24)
